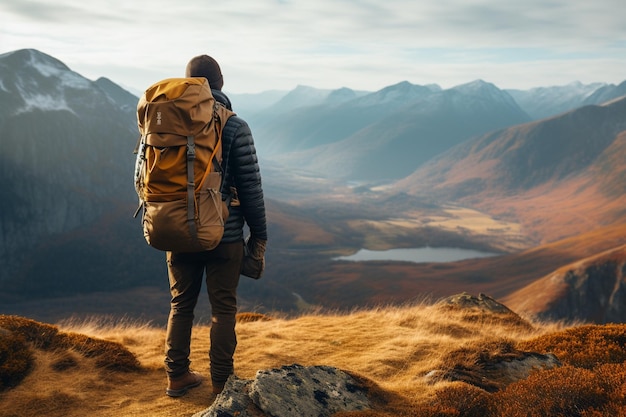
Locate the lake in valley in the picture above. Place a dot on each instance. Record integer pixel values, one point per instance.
(417, 255)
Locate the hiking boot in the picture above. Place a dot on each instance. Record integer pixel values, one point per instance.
(218, 387)
(177, 387)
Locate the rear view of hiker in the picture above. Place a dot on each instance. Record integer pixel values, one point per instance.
(220, 266)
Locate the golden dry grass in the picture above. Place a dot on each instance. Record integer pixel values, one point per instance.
(390, 349)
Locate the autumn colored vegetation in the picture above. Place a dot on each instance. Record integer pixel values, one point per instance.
(115, 369)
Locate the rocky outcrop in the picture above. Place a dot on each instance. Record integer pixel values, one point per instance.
(483, 305)
(481, 302)
(492, 369)
(294, 390)
(496, 364)
(591, 290)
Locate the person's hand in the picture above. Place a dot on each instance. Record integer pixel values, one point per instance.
(253, 263)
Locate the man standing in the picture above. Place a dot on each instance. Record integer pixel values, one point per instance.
(222, 265)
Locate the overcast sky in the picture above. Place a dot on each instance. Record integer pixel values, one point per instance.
(360, 44)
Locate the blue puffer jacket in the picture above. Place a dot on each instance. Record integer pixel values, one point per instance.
(241, 172)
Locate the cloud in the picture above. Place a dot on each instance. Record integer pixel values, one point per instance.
(38, 12)
(66, 13)
(265, 44)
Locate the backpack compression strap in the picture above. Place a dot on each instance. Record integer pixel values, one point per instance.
(191, 188)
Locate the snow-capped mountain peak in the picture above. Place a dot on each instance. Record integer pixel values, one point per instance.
(40, 80)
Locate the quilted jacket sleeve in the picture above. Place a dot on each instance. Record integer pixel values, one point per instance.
(242, 171)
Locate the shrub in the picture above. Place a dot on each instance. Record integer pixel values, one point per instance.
(109, 355)
(16, 359)
(42, 336)
(565, 391)
(584, 346)
(460, 400)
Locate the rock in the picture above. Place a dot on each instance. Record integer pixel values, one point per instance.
(482, 302)
(314, 391)
(233, 401)
(483, 306)
(293, 390)
(492, 369)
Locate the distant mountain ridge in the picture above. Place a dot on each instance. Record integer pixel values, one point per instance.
(65, 169)
(389, 133)
(403, 125)
(525, 156)
(125, 99)
(607, 93)
(542, 102)
(538, 102)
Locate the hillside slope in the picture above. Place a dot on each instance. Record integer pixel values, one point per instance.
(593, 288)
(406, 357)
(558, 177)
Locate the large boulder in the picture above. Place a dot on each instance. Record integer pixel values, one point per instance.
(289, 391)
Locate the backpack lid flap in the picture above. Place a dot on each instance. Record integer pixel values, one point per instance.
(171, 88)
(178, 106)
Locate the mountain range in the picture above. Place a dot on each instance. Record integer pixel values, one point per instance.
(542, 102)
(66, 205)
(549, 160)
(387, 134)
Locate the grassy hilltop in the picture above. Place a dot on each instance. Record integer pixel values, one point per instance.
(100, 368)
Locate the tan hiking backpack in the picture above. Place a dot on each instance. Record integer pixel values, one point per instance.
(178, 173)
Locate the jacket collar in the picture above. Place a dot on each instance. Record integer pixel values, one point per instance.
(222, 98)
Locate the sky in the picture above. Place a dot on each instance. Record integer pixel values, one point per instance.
(328, 44)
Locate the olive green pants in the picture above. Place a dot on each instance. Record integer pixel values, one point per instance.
(222, 266)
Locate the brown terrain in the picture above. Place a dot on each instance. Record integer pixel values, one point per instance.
(418, 360)
(561, 203)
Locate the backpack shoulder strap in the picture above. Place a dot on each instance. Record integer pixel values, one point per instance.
(220, 117)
